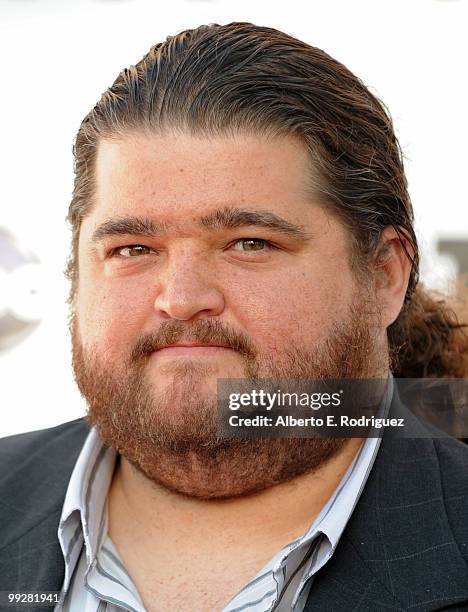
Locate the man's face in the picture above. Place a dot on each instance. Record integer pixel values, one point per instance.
(194, 242)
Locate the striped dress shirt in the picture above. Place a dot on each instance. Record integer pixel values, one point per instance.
(96, 579)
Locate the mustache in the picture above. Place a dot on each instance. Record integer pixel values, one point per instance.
(203, 330)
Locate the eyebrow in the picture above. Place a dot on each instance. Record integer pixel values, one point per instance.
(230, 218)
(140, 226)
(223, 218)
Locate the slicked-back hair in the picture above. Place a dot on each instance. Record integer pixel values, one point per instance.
(221, 80)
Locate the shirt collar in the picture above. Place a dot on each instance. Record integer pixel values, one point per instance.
(86, 496)
(330, 523)
(336, 513)
(84, 503)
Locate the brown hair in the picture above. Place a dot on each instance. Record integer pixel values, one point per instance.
(241, 77)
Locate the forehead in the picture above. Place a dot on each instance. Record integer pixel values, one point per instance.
(181, 177)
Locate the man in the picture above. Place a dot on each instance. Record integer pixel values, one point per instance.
(240, 211)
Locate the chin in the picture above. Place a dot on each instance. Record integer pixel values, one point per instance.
(180, 369)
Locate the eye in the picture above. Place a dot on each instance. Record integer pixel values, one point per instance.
(252, 245)
(131, 250)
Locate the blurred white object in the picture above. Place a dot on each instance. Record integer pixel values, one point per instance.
(26, 286)
(21, 295)
(3, 292)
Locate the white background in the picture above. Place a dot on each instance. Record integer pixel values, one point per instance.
(57, 57)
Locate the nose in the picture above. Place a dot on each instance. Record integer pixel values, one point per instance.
(187, 290)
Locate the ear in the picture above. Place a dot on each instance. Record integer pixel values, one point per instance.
(392, 268)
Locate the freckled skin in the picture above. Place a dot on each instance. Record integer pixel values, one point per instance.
(287, 304)
(278, 301)
(193, 527)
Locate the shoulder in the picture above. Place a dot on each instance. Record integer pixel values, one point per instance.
(452, 457)
(412, 526)
(35, 469)
(422, 454)
(53, 442)
(406, 544)
(424, 470)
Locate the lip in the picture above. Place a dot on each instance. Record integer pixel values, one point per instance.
(194, 345)
(191, 349)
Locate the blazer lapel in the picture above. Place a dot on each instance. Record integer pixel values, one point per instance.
(347, 583)
(37, 467)
(398, 551)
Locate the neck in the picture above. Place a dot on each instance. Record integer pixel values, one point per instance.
(270, 517)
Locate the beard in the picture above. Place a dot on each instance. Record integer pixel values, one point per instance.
(171, 437)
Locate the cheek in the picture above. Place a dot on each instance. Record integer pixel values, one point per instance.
(298, 307)
(111, 317)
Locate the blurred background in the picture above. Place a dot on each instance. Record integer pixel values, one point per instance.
(58, 56)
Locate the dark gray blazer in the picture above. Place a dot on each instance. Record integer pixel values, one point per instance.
(405, 547)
